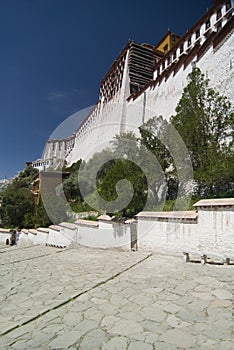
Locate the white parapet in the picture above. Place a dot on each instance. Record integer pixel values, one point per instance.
(5, 235)
(210, 228)
(56, 237)
(68, 234)
(216, 223)
(23, 238)
(32, 236)
(42, 235)
(105, 234)
(167, 230)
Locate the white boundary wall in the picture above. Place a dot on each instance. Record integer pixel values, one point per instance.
(42, 235)
(4, 235)
(107, 235)
(55, 238)
(84, 232)
(212, 231)
(210, 228)
(167, 233)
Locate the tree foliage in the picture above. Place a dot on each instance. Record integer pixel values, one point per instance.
(18, 208)
(205, 121)
(155, 137)
(124, 169)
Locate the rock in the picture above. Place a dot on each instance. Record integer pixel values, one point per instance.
(138, 345)
(178, 338)
(222, 294)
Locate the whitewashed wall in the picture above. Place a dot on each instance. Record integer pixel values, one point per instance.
(42, 235)
(4, 235)
(90, 234)
(106, 121)
(167, 234)
(119, 115)
(23, 239)
(217, 65)
(213, 232)
(67, 234)
(216, 229)
(62, 235)
(32, 236)
(209, 229)
(55, 238)
(109, 235)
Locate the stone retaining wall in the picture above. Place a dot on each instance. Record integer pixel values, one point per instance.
(210, 227)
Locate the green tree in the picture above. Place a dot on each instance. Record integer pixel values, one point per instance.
(152, 133)
(205, 121)
(18, 207)
(125, 169)
(130, 161)
(71, 187)
(155, 136)
(17, 200)
(56, 207)
(40, 217)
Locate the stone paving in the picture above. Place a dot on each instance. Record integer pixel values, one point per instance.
(92, 299)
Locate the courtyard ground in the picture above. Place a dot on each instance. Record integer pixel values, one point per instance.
(112, 300)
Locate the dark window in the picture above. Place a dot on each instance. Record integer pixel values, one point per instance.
(193, 65)
(219, 27)
(208, 24)
(219, 14)
(197, 33)
(133, 89)
(228, 5)
(163, 65)
(189, 42)
(165, 49)
(174, 56)
(181, 48)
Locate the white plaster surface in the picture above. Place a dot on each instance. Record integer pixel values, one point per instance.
(4, 236)
(110, 236)
(119, 115)
(213, 232)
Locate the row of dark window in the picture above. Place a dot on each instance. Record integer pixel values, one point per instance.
(197, 34)
(40, 164)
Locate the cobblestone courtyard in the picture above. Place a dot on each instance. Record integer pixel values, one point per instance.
(111, 300)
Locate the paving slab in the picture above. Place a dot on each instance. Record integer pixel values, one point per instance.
(110, 299)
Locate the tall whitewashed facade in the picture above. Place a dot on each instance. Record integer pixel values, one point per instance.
(144, 82)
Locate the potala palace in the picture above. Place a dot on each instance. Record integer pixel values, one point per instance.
(147, 80)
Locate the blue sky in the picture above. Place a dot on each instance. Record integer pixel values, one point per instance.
(54, 53)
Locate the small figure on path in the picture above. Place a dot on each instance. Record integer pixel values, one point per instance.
(13, 237)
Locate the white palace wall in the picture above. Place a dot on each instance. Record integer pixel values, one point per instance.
(119, 112)
(217, 65)
(120, 115)
(97, 135)
(106, 121)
